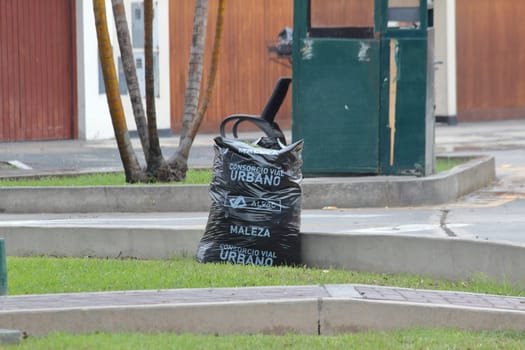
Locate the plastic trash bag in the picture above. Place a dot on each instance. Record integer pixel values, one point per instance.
(256, 194)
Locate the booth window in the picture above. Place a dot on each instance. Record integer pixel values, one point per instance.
(342, 18)
(406, 14)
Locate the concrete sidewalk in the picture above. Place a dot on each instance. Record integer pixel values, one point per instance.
(504, 139)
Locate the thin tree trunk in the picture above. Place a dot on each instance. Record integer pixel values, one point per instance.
(157, 166)
(129, 160)
(193, 84)
(180, 159)
(214, 66)
(130, 71)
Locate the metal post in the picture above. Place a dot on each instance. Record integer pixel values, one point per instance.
(3, 269)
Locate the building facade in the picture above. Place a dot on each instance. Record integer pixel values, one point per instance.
(51, 85)
(50, 79)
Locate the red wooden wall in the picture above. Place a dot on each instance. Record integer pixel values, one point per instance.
(490, 59)
(37, 70)
(246, 75)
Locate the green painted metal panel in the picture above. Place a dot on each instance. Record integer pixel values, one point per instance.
(411, 108)
(338, 113)
(341, 97)
(3, 268)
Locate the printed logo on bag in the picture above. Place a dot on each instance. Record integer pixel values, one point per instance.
(246, 256)
(242, 202)
(250, 151)
(260, 175)
(237, 202)
(256, 231)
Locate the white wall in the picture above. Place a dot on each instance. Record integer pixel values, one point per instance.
(445, 54)
(93, 113)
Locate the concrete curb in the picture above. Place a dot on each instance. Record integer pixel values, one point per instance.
(400, 191)
(242, 317)
(325, 315)
(349, 192)
(351, 315)
(10, 336)
(104, 199)
(137, 243)
(447, 258)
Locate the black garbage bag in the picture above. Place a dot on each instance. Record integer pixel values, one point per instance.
(255, 215)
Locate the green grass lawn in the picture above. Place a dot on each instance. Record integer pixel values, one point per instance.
(194, 177)
(38, 275)
(417, 339)
(444, 164)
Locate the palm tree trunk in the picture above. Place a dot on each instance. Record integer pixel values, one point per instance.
(156, 161)
(130, 71)
(129, 160)
(214, 66)
(193, 84)
(180, 159)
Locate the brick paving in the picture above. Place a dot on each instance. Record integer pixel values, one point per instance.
(441, 297)
(158, 297)
(207, 295)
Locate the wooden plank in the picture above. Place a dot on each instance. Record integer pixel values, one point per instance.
(392, 101)
(43, 79)
(29, 102)
(14, 76)
(4, 51)
(50, 119)
(26, 98)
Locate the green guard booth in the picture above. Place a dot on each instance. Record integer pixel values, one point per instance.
(363, 86)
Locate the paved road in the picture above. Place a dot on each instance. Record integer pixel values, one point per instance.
(500, 219)
(99, 154)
